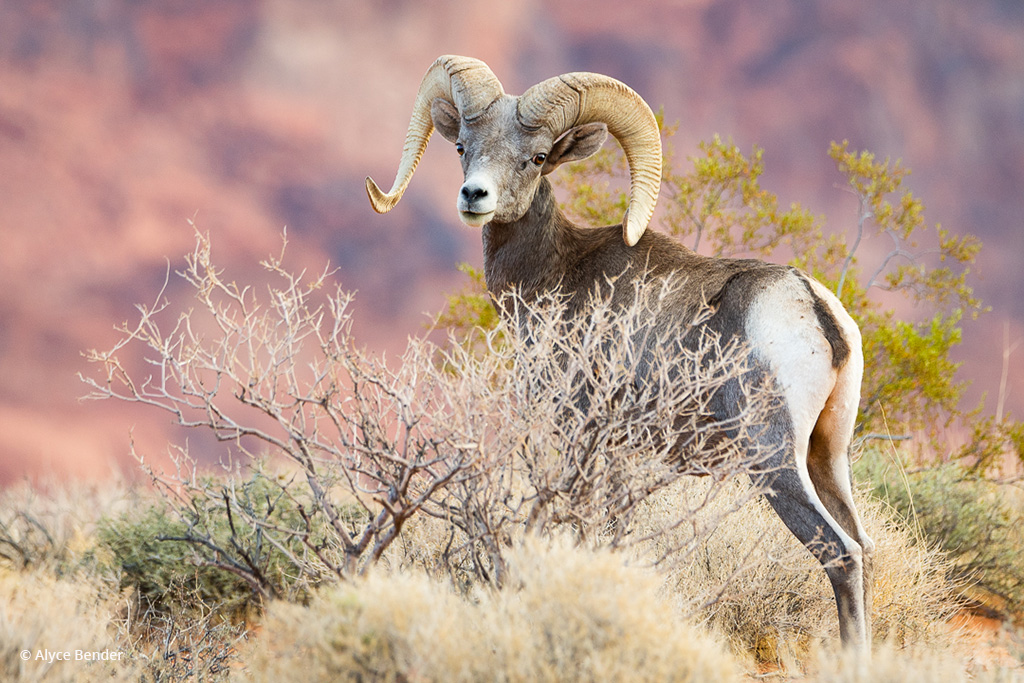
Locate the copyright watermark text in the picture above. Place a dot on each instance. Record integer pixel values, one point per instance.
(51, 656)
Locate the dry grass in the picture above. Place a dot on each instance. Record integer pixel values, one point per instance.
(51, 598)
(894, 664)
(753, 581)
(567, 612)
(570, 615)
(40, 614)
(52, 526)
(61, 593)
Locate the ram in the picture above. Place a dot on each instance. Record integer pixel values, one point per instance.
(796, 330)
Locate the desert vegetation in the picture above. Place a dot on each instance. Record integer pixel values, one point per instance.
(487, 509)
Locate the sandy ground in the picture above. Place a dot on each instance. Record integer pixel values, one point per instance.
(990, 643)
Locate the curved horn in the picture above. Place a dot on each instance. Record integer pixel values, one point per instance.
(574, 99)
(468, 84)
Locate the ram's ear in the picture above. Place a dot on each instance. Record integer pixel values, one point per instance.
(446, 118)
(577, 143)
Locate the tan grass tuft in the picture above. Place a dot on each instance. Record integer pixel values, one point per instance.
(40, 613)
(891, 663)
(568, 614)
(776, 602)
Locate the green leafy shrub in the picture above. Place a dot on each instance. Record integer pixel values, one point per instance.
(979, 524)
(137, 546)
(218, 548)
(470, 314)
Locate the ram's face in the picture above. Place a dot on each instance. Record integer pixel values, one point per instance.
(503, 160)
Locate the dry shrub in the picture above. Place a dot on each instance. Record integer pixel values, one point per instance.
(382, 627)
(749, 578)
(185, 641)
(51, 525)
(68, 551)
(39, 612)
(586, 615)
(913, 596)
(449, 460)
(542, 432)
(567, 614)
(756, 584)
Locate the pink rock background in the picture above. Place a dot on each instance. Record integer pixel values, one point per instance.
(122, 119)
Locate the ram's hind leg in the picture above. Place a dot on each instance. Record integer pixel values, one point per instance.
(828, 464)
(795, 501)
(793, 494)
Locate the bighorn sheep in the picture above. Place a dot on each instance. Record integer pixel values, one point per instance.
(796, 329)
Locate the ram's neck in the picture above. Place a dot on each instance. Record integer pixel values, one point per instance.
(529, 253)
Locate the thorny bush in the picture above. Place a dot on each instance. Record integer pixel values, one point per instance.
(566, 424)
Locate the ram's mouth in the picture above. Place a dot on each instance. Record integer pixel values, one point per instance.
(476, 220)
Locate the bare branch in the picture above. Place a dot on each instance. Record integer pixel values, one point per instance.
(574, 421)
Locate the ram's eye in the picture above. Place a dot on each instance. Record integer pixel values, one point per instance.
(459, 148)
(539, 159)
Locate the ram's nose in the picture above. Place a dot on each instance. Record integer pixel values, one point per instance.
(478, 194)
(477, 201)
(470, 194)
